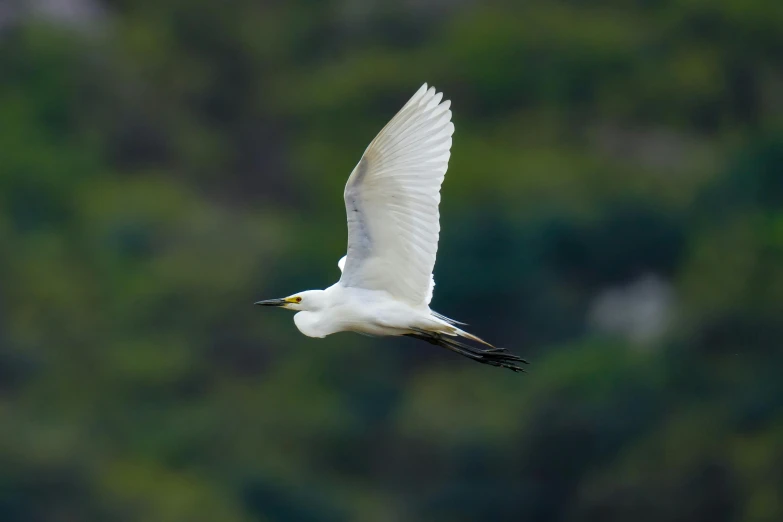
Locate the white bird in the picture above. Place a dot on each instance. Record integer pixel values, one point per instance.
(391, 200)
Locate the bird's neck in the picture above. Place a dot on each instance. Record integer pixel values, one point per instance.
(314, 324)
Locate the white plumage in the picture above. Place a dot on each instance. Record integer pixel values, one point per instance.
(391, 201)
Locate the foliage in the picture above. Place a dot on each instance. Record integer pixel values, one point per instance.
(169, 163)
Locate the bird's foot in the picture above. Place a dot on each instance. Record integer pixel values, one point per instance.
(493, 356)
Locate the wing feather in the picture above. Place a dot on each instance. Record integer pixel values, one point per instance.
(392, 198)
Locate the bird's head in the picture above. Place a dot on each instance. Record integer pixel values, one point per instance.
(307, 301)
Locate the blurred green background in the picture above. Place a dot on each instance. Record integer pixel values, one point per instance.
(613, 212)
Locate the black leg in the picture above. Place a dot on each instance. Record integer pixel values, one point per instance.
(493, 356)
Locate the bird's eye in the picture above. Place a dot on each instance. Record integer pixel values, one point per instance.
(298, 299)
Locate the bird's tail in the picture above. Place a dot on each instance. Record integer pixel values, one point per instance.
(446, 319)
(475, 338)
(491, 355)
(452, 328)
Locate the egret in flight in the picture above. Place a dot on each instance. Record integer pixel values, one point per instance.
(391, 200)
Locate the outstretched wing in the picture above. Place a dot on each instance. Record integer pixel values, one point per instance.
(341, 266)
(392, 201)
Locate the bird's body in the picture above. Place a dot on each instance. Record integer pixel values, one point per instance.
(370, 312)
(391, 201)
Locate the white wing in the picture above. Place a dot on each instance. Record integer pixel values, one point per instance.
(341, 266)
(392, 201)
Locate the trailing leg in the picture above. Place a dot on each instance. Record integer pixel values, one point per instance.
(493, 356)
